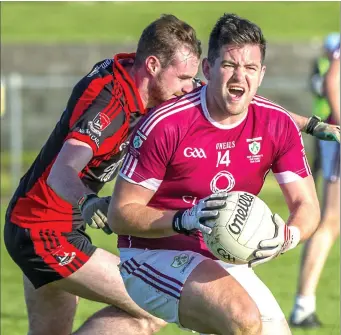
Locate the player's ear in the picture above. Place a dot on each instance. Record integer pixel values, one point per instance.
(153, 65)
(262, 73)
(206, 68)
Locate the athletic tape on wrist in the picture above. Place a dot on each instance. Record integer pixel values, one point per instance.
(295, 237)
(177, 224)
(312, 123)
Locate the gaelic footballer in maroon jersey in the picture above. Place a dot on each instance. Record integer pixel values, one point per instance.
(183, 159)
(183, 155)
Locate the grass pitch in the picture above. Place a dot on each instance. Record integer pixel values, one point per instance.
(117, 22)
(280, 275)
(112, 22)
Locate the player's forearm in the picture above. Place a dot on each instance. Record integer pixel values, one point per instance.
(67, 184)
(141, 221)
(305, 216)
(300, 120)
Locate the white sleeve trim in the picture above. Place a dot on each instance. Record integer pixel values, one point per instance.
(287, 177)
(151, 183)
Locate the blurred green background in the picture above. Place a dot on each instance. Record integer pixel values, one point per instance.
(88, 22)
(32, 25)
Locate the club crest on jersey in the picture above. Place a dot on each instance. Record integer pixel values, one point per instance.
(137, 141)
(254, 147)
(180, 260)
(101, 121)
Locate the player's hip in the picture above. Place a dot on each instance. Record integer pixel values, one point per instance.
(178, 242)
(33, 216)
(46, 254)
(155, 279)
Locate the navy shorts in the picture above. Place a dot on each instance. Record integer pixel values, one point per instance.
(46, 255)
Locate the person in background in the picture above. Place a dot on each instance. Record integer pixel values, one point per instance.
(321, 107)
(317, 248)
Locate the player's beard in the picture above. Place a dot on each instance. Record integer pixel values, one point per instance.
(234, 108)
(158, 91)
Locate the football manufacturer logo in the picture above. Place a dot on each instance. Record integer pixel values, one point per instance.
(101, 121)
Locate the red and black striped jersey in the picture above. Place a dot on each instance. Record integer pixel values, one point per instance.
(102, 110)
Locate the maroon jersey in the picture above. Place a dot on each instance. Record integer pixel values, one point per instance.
(102, 111)
(183, 155)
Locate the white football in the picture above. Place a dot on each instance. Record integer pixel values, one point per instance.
(242, 224)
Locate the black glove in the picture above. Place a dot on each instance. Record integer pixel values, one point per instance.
(94, 211)
(322, 130)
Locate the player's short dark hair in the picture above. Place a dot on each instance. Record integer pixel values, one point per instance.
(163, 37)
(234, 30)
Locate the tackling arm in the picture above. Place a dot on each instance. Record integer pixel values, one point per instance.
(315, 127)
(63, 177)
(64, 180)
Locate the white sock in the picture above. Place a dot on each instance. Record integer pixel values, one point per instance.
(304, 306)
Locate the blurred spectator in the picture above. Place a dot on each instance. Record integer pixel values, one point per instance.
(321, 107)
(317, 248)
(2, 99)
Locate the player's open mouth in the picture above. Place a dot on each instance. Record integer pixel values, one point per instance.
(236, 92)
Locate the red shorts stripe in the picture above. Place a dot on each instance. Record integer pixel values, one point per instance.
(57, 252)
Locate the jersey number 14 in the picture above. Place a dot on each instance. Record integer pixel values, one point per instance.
(223, 159)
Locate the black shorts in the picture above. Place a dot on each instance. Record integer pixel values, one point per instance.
(45, 255)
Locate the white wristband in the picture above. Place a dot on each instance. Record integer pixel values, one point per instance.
(295, 237)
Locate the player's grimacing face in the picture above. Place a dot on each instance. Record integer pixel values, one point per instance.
(177, 78)
(235, 77)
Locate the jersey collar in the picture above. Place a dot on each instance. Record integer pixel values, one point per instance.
(130, 90)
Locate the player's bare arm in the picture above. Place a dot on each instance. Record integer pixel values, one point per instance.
(64, 180)
(304, 217)
(64, 176)
(315, 127)
(303, 206)
(300, 120)
(129, 214)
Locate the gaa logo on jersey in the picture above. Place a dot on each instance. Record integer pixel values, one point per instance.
(101, 121)
(137, 141)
